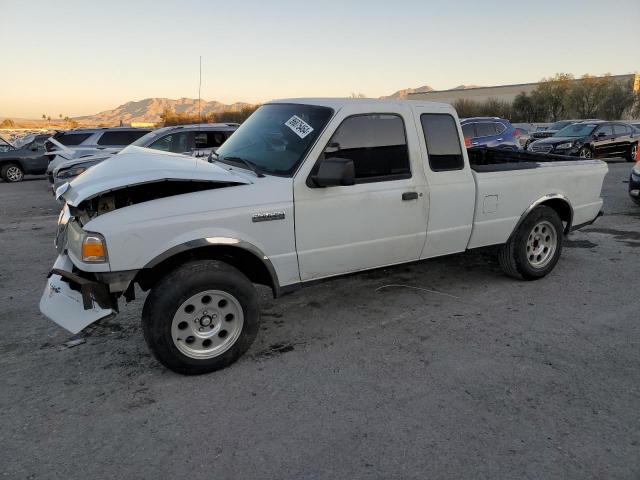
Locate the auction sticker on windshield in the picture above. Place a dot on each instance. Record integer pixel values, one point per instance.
(299, 126)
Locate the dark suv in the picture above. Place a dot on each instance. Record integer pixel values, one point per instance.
(490, 132)
(27, 158)
(599, 139)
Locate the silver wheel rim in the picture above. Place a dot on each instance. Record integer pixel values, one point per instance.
(634, 152)
(585, 153)
(207, 324)
(541, 244)
(14, 174)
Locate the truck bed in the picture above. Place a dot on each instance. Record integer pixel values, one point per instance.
(507, 183)
(487, 159)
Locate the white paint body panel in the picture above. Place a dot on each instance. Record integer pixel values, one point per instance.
(516, 190)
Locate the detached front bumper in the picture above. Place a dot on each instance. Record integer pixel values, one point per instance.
(74, 302)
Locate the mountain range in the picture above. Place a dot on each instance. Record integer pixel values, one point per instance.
(150, 109)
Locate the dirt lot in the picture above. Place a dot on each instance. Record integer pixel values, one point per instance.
(496, 379)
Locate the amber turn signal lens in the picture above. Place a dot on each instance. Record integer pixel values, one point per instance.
(93, 249)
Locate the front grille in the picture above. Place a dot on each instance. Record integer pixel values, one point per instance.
(540, 148)
(542, 134)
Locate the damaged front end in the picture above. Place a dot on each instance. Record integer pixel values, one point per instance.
(81, 288)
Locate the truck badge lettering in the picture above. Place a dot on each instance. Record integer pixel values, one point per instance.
(267, 216)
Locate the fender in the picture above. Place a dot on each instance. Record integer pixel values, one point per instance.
(544, 199)
(221, 241)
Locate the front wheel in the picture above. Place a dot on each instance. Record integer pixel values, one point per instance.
(12, 173)
(534, 248)
(201, 317)
(585, 152)
(632, 156)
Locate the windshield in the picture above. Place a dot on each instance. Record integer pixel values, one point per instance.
(577, 130)
(559, 125)
(276, 137)
(146, 139)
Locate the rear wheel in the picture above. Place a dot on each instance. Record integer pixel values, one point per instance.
(201, 317)
(12, 173)
(632, 156)
(534, 248)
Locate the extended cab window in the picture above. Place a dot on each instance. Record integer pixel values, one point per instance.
(443, 143)
(377, 145)
(179, 142)
(121, 138)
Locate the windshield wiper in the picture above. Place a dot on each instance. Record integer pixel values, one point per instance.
(252, 166)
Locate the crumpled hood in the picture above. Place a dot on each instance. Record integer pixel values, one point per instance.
(139, 165)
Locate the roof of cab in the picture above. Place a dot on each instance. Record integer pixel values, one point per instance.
(337, 103)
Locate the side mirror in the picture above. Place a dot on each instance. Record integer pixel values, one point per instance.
(334, 172)
(601, 134)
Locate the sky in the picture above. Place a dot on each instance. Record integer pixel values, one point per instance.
(80, 57)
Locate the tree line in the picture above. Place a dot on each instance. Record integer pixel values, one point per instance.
(171, 117)
(561, 96)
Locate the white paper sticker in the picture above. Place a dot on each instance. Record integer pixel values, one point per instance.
(299, 126)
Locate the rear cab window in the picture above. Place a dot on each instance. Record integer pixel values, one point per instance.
(443, 143)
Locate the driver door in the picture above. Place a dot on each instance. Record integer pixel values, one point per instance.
(604, 141)
(380, 219)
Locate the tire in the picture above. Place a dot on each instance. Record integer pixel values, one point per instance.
(184, 329)
(12, 173)
(632, 154)
(524, 255)
(585, 152)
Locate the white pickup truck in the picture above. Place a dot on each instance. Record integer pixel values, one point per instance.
(304, 190)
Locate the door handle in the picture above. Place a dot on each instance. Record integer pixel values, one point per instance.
(410, 196)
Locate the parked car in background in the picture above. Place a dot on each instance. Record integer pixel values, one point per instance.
(28, 157)
(597, 139)
(634, 182)
(552, 129)
(490, 132)
(83, 142)
(196, 140)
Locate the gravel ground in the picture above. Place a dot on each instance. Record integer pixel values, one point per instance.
(498, 379)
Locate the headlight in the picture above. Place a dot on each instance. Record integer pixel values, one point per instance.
(87, 246)
(94, 249)
(564, 146)
(636, 169)
(72, 172)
